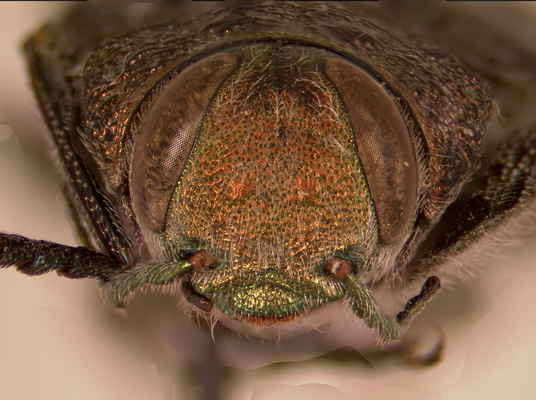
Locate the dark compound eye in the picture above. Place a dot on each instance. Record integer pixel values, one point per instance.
(383, 143)
(169, 132)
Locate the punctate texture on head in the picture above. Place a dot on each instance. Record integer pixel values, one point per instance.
(274, 183)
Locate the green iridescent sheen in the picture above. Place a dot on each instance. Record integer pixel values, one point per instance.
(153, 274)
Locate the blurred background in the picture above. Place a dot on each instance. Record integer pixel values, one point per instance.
(54, 344)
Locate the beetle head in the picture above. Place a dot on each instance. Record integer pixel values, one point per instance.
(275, 158)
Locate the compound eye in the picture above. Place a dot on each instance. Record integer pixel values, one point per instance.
(168, 135)
(384, 146)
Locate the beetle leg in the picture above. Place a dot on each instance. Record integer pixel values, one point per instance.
(505, 189)
(36, 257)
(58, 102)
(81, 233)
(416, 304)
(363, 303)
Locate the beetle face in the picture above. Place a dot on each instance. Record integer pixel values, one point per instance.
(283, 159)
(270, 159)
(270, 180)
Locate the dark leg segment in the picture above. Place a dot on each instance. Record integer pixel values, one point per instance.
(507, 188)
(416, 304)
(36, 257)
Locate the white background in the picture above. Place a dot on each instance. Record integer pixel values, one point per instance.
(52, 345)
